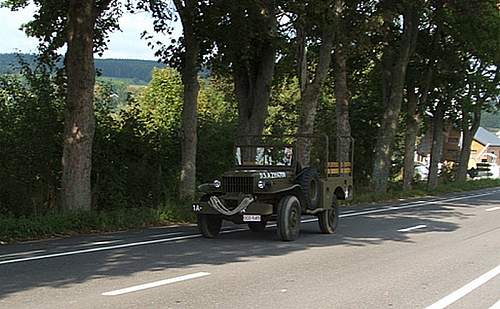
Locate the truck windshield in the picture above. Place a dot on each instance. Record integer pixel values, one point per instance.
(264, 156)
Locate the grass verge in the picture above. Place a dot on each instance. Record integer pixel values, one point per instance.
(420, 190)
(71, 223)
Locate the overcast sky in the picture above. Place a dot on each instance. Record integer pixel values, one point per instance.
(125, 44)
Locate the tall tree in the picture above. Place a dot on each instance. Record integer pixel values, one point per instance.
(394, 61)
(82, 26)
(352, 23)
(437, 144)
(184, 54)
(188, 10)
(312, 21)
(416, 99)
(245, 37)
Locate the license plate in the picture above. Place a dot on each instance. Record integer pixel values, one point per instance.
(251, 218)
(196, 207)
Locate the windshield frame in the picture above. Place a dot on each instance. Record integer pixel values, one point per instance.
(292, 166)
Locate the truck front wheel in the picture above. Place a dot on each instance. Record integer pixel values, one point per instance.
(289, 213)
(209, 225)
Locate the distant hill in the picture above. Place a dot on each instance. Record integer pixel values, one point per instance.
(138, 71)
(490, 120)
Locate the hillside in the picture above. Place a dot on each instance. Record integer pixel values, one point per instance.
(490, 120)
(137, 71)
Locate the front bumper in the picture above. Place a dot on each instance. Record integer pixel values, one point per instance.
(255, 208)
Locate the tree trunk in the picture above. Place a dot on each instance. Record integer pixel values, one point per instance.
(187, 185)
(253, 80)
(79, 123)
(310, 96)
(410, 139)
(393, 97)
(342, 106)
(437, 146)
(301, 57)
(467, 137)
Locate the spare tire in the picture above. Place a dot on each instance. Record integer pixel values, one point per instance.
(308, 179)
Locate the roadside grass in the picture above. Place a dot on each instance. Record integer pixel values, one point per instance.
(396, 191)
(58, 224)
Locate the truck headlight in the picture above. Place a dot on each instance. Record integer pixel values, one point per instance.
(261, 184)
(217, 184)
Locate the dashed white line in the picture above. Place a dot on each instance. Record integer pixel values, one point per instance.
(408, 229)
(493, 209)
(191, 236)
(155, 284)
(466, 289)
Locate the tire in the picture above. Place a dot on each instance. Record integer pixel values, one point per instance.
(309, 181)
(209, 225)
(329, 219)
(257, 227)
(289, 212)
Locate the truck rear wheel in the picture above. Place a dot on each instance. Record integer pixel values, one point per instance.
(209, 225)
(289, 213)
(329, 219)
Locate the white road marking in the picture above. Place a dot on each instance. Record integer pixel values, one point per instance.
(416, 204)
(493, 209)
(97, 243)
(134, 244)
(191, 236)
(466, 289)
(421, 226)
(155, 284)
(496, 305)
(163, 235)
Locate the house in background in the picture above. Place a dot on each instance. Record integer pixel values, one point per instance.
(451, 146)
(485, 148)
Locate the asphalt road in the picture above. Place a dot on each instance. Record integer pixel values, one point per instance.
(429, 253)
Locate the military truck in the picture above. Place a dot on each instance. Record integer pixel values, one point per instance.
(268, 183)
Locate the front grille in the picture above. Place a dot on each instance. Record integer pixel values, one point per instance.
(237, 184)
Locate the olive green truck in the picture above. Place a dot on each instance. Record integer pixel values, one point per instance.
(268, 183)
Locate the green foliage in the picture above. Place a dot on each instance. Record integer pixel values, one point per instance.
(137, 147)
(283, 108)
(136, 158)
(31, 122)
(476, 26)
(217, 114)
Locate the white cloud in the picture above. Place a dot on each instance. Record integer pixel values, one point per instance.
(126, 44)
(12, 38)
